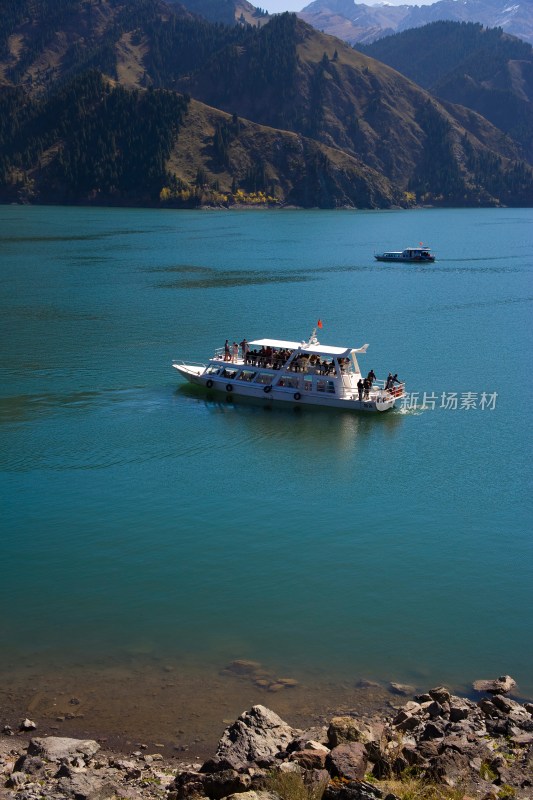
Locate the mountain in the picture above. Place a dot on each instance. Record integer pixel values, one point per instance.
(467, 64)
(94, 142)
(357, 22)
(228, 12)
(139, 101)
(293, 77)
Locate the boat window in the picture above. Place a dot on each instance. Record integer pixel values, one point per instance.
(289, 382)
(229, 373)
(212, 371)
(330, 387)
(264, 378)
(321, 386)
(325, 386)
(247, 375)
(308, 383)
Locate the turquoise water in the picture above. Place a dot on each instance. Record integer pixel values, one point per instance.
(139, 514)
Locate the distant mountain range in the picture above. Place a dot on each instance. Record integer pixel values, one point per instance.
(145, 102)
(356, 22)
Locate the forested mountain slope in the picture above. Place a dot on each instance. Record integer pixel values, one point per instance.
(292, 113)
(464, 63)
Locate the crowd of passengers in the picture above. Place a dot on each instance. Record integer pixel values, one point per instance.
(271, 358)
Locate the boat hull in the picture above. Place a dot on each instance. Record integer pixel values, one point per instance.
(402, 260)
(275, 394)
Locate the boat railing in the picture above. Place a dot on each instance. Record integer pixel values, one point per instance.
(397, 390)
(181, 363)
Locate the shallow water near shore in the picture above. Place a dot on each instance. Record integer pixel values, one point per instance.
(150, 529)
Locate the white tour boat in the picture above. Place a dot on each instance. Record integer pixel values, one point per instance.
(412, 255)
(301, 373)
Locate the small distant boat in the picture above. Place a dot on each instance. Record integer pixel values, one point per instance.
(412, 255)
(305, 373)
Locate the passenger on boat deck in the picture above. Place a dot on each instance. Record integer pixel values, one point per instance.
(245, 348)
(391, 380)
(360, 387)
(371, 377)
(227, 356)
(367, 385)
(235, 350)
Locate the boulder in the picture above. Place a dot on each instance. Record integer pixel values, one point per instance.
(348, 761)
(458, 743)
(17, 780)
(257, 736)
(352, 790)
(243, 666)
(188, 784)
(254, 795)
(364, 683)
(428, 749)
(317, 780)
(436, 709)
(507, 705)
(401, 688)
(521, 720)
(55, 748)
(312, 738)
(440, 694)
(432, 730)
(451, 768)
(412, 756)
(31, 765)
(221, 784)
(488, 708)
(501, 685)
(458, 710)
(310, 759)
(87, 787)
(404, 721)
(522, 739)
(217, 765)
(349, 729)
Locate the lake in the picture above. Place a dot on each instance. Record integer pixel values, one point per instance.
(152, 533)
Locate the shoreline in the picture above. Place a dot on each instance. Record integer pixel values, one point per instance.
(178, 708)
(445, 745)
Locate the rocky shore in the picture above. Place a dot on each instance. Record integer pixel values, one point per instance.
(431, 746)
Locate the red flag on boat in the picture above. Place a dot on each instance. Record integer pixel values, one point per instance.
(319, 323)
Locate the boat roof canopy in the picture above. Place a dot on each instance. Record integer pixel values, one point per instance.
(306, 347)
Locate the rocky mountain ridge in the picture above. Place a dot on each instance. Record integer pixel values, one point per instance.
(357, 22)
